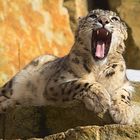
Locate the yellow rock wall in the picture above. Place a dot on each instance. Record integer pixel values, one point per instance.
(76, 9)
(129, 11)
(29, 28)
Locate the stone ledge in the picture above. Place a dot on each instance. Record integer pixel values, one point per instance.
(108, 132)
(28, 122)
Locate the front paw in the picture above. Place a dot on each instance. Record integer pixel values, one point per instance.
(121, 113)
(97, 102)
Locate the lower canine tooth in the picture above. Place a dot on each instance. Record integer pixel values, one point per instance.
(106, 33)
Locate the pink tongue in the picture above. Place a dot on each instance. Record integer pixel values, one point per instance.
(100, 50)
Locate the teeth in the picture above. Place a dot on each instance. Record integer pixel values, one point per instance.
(106, 33)
(97, 32)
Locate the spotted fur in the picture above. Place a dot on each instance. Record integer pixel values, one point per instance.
(101, 85)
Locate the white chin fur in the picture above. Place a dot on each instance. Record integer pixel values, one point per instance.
(101, 62)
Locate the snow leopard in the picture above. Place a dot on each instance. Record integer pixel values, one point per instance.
(93, 72)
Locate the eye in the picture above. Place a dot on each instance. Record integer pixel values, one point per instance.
(93, 16)
(115, 19)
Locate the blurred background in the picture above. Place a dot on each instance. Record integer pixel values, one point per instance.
(29, 28)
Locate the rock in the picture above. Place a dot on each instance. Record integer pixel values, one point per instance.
(129, 11)
(76, 9)
(27, 122)
(34, 139)
(108, 132)
(24, 123)
(120, 132)
(136, 95)
(29, 29)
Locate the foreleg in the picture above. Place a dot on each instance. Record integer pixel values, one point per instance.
(121, 109)
(95, 97)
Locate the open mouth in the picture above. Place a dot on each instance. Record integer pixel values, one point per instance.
(101, 39)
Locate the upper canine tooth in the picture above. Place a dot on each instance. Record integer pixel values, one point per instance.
(97, 32)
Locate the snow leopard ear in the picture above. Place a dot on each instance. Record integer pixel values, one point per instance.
(79, 18)
(121, 48)
(125, 35)
(125, 30)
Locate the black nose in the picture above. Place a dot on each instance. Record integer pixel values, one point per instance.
(103, 20)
